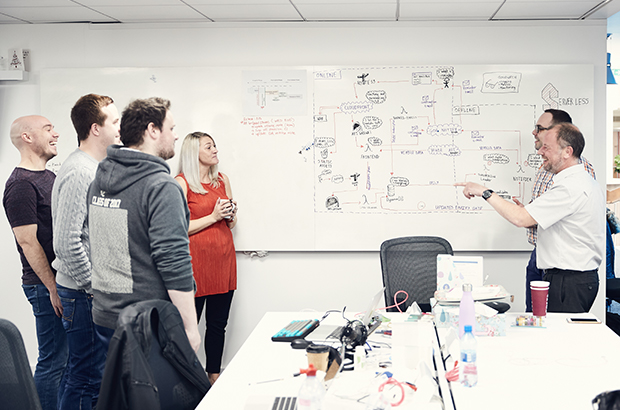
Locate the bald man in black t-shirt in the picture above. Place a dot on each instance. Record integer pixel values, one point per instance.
(27, 203)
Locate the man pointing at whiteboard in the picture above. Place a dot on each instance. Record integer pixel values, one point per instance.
(570, 218)
(543, 181)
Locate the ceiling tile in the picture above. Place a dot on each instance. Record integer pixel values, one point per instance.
(238, 2)
(37, 3)
(8, 20)
(141, 3)
(607, 11)
(455, 2)
(54, 14)
(132, 14)
(447, 11)
(348, 12)
(543, 10)
(273, 12)
(380, 2)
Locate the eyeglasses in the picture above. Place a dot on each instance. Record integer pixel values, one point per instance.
(538, 128)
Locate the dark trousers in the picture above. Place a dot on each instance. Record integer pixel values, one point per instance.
(531, 273)
(571, 291)
(218, 309)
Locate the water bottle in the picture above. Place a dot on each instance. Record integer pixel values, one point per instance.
(468, 373)
(312, 391)
(467, 310)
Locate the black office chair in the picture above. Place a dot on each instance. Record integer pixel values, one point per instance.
(410, 264)
(17, 389)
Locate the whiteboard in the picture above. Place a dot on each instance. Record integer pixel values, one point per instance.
(343, 158)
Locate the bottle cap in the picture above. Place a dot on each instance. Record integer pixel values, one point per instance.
(467, 287)
(466, 328)
(310, 371)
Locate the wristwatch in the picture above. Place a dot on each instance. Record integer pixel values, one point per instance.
(487, 194)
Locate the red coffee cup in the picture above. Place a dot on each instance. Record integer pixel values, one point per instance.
(540, 294)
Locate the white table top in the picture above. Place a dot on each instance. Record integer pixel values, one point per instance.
(562, 366)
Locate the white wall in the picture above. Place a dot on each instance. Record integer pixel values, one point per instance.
(291, 280)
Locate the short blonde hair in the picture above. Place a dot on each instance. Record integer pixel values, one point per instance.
(189, 165)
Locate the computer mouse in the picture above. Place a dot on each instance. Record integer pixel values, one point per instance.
(300, 343)
(499, 306)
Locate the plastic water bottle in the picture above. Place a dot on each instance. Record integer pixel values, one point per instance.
(312, 391)
(468, 372)
(467, 310)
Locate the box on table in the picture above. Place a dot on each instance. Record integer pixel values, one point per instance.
(448, 315)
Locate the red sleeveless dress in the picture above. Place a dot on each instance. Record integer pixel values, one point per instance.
(212, 249)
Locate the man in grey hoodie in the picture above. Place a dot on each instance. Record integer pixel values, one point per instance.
(138, 221)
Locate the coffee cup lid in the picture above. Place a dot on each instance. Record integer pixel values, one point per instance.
(317, 349)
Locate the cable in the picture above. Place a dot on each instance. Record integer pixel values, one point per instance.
(443, 361)
(396, 303)
(395, 382)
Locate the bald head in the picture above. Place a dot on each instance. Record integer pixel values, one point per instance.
(35, 138)
(26, 125)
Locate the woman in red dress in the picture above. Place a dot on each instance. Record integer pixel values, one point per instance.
(213, 213)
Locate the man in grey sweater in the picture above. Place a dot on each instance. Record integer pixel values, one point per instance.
(138, 220)
(97, 124)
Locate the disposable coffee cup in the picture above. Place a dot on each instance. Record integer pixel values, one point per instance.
(324, 358)
(318, 355)
(540, 295)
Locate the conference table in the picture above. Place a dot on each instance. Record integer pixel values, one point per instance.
(560, 366)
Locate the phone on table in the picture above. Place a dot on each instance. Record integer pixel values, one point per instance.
(582, 320)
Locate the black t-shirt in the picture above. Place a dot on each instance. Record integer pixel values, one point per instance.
(27, 201)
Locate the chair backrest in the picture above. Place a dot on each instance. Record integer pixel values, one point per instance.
(17, 388)
(410, 264)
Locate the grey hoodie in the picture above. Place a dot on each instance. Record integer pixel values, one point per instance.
(138, 221)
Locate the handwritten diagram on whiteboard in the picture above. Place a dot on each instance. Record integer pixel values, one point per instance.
(342, 158)
(394, 140)
(275, 92)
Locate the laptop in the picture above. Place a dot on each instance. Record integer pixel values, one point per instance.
(332, 333)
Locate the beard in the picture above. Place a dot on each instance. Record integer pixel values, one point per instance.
(166, 154)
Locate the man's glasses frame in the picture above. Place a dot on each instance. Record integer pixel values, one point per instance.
(538, 128)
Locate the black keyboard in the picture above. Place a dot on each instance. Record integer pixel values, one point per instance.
(297, 329)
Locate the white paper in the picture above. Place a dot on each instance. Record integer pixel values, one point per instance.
(469, 269)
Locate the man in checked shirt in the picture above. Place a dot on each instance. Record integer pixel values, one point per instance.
(543, 181)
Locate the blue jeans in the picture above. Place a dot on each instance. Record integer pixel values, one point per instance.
(48, 375)
(86, 354)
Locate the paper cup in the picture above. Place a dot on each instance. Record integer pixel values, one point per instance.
(318, 356)
(540, 295)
